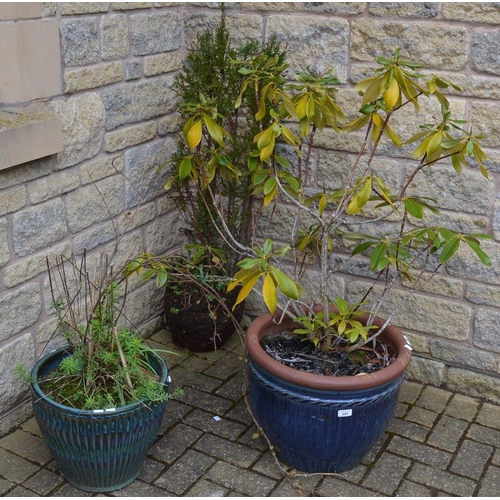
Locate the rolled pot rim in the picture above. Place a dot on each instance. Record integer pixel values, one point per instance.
(40, 394)
(264, 326)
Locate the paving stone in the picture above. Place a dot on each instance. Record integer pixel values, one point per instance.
(139, 489)
(333, 487)
(188, 378)
(421, 416)
(5, 486)
(174, 443)
(229, 364)
(409, 489)
(228, 451)
(267, 465)
(240, 412)
(70, 491)
(471, 459)
(441, 480)
(484, 435)
(20, 491)
(462, 407)
(387, 473)
(490, 485)
(257, 443)
(27, 446)
(204, 488)
(150, 470)
(409, 392)
(489, 415)
(297, 486)
(372, 453)
(420, 452)
(241, 480)
(207, 402)
(434, 399)
(447, 433)
(408, 429)
(14, 468)
(207, 423)
(400, 410)
(496, 457)
(44, 482)
(176, 411)
(234, 388)
(185, 472)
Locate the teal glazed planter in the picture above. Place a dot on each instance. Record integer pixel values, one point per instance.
(321, 424)
(101, 450)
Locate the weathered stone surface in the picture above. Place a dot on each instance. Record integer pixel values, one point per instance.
(93, 237)
(425, 371)
(137, 217)
(153, 33)
(419, 41)
(438, 284)
(82, 117)
(439, 317)
(135, 102)
(98, 169)
(483, 294)
(114, 37)
(130, 136)
(92, 77)
(474, 384)
(72, 8)
(486, 330)
(13, 199)
(485, 50)
(53, 185)
(480, 12)
(133, 69)
(164, 233)
(4, 247)
(348, 8)
(79, 40)
(38, 227)
(466, 192)
(462, 354)
(144, 303)
(19, 352)
(168, 124)
(131, 5)
(24, 269)
(19, 309)
(404, 9)
(162, 63)
(27, 172)
(288, 6)
(141, 168)
(485, 120)
(95, 203)
(318, 43)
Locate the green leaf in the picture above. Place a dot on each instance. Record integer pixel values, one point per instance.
(215, 130)
(449, 249)
(161, 278)
(377, 255)
(185, 168)
(285, 284)
(483, 256)
(414, 208)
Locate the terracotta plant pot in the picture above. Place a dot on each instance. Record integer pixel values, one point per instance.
(193, 325)
(321, 423)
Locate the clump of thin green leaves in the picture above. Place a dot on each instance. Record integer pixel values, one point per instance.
(107, 365)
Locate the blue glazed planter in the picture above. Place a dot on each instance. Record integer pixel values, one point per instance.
(97, 451)
(319, 423)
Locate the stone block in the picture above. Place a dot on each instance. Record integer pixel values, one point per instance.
(339, 8)
(19, 352)
(82, 118)
(320, 43)
(476, 385)
(130, 136)
(31, 170)
(53, 185)
(137, 217)
(486, 331)
(485, 120)
(141, 169)
(143, 303)
(164, 233)
(471, 459)
(489, 415)
(39, 226)
(99, 169)
(75, 8)
(168, 124)
(387, 473)
(4, 246)
(419, 41)
(19, 309)
(485, 49)
(91, 238)
(16, 469)
(137, 101)
(114, 37)
(276, 6)
(12, 200)
(27, 268)
(95, 203)
(80, 41)
(162, 63)
(133, 69)
(423, 10)
(426, 371)
(92, 77)
(442, 480)
(480, 12)
(154, 33)
(438, 284)
(463, 355)
(131, 5)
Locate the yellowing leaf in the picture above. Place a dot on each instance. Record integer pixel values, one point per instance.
(270, 293)
(391, 95)
(194, 134)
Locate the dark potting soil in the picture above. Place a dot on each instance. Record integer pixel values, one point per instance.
(295, 352)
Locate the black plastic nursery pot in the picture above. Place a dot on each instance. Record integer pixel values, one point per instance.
(321, 423)
(97, 450)
(193, 325)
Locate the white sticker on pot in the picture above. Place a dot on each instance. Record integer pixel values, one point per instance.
(344, 413)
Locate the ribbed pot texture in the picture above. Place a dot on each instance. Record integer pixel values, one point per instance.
(97, 450)
(321, 423)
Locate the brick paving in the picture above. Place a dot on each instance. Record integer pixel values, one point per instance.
(438, 444)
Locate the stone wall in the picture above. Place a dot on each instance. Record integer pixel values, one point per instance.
(118, 123)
